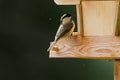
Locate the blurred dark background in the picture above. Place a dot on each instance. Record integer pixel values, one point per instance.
(26, 29)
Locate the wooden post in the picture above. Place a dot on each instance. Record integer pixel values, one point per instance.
(80, 19)
(95, 38)
(117, 70)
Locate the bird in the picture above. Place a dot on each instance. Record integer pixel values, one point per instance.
(65, 29)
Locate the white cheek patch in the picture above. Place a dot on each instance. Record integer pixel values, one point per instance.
(66, 20)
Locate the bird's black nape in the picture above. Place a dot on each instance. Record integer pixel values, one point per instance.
(68, 15)
(65, 15)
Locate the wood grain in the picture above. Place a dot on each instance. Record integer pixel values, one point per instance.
(90, 47)
(99, 17)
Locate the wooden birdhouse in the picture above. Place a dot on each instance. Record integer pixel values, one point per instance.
(95, 39)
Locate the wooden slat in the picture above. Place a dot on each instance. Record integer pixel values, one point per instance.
(117, 70)
(89, 47)
(67, 2)
(118, 22)
(75, 2)
(99, 17)
(79, 19)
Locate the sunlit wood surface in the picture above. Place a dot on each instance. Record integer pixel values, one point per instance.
(90, 47)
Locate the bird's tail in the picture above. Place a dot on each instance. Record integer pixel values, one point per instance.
(51, 46)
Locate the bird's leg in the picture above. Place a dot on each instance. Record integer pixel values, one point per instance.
(70, 36)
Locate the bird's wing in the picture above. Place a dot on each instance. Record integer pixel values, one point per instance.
(63, 29)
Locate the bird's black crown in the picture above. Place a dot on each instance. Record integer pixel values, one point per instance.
(65, 15)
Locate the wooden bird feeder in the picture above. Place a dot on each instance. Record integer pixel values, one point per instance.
(95, 39)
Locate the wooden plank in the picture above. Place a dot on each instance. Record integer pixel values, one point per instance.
(118, 23)
(67, 2)
(99, 17)
(79, 19)
(117, 70)
(74, 2)
(89, 47)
